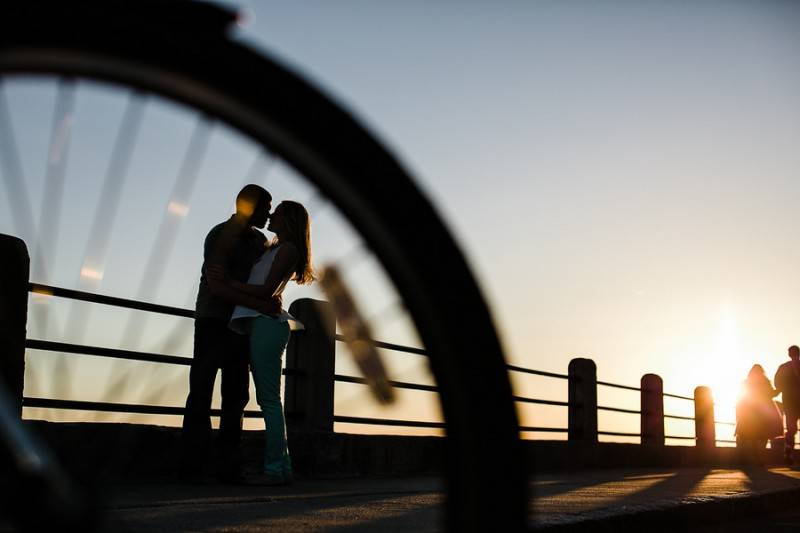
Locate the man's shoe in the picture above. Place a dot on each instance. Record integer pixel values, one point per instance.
(787, 457)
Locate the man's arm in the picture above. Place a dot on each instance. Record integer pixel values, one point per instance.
(219, 242)
(282, 267)
(221, 289)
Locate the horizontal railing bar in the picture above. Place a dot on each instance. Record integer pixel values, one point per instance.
(677, 396)
(97, 351)
(61, 292)
(386, 422)
(726, 441)
(514, 368)
(678, 417)
(389, 346)
(681, 438)
(541, 402)
(81, 405)
(50, 290)
(619, 434)
(397, 384)
(532, 429)
(619, 410)
(431, 388)
(36, 344)
(618, 386)
(725, 423)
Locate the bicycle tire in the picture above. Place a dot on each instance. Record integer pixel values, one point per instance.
(150, 46)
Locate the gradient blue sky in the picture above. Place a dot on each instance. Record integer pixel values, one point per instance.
(622, 175)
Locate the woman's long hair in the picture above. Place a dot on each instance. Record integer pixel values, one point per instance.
(298, 232)
(757, 374)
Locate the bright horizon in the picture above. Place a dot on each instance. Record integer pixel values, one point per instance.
(623, 178)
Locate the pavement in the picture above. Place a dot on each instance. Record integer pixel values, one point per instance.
(687, 499)
(363, 504)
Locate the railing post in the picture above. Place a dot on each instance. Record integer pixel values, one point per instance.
(704, 428)
(310, 363)
(582, 399)
(652, 406)
(14, 279)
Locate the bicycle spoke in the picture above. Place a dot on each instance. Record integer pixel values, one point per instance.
(14, 177)
(177, 208)
(99, 236)
(50, 215)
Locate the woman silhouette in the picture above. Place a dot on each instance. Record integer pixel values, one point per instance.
(757, 417)
(287, 257)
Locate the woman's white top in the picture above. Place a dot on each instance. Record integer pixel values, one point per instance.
(240, 319)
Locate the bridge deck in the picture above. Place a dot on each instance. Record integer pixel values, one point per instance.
(663, 499)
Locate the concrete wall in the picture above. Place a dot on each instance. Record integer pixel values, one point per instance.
(128, 451)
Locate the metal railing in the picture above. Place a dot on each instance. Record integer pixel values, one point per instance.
(67, 348)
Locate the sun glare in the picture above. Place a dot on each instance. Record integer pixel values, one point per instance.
(725, 366)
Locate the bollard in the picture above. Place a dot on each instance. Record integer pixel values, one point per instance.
(652, 404)
(704, 429)
(582, 426)
(310, 364)
(14, 278)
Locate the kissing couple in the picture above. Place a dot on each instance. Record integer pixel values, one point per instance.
(240, 325)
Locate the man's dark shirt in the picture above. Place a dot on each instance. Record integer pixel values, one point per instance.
(234, 248)
(787, 380)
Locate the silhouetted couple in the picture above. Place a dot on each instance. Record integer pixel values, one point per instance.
(758, 418)
(239, 326)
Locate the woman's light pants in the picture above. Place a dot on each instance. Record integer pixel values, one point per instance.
(268, 340)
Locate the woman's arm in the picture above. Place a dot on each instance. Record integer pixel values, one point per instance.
(282, 267)
(221, 289)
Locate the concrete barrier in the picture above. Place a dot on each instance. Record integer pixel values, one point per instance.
(652, 407)
(14, 274)
(582, 398)
(134, 452)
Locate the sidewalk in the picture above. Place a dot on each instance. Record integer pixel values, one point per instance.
(598, 500)
(660, 500)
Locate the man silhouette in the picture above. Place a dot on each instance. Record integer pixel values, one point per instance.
(787, 382)
(235, 245)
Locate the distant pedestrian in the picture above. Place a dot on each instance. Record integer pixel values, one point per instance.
(757, 417)
(233, 245)
(787, 382)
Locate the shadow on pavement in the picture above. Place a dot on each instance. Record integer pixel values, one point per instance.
(276, 512)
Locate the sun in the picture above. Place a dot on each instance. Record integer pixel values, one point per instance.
(726, 359)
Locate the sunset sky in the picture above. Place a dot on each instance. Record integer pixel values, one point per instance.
(623, 177)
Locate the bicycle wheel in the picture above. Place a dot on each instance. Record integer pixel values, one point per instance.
(181, 51)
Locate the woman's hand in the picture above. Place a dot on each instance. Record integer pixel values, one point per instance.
(271, 307)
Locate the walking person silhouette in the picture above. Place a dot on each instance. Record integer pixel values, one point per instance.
(757, 417)
(233, 245)
(787, 382)
(287, 257)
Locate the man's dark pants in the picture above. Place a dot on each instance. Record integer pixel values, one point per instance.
(792, 416)
(215, 347)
